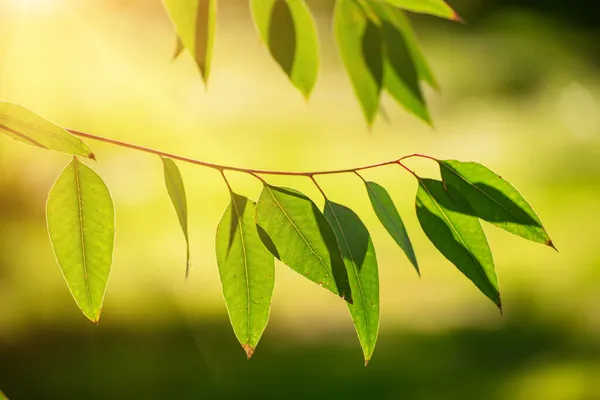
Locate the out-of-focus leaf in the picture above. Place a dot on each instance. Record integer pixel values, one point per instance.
(295, 231)
(176, 190)
(81, 225)
(401, 76)
(3, 396)
(459, 237)
(360, 44)
(493, 199)
(179, 47)
(26, 126)
(195, 22)
(398, 18)
(390, 219)
(361, 263)
(247, 272)
(289, 30)
(439, 8)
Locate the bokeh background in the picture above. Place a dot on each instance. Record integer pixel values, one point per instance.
(520, 93)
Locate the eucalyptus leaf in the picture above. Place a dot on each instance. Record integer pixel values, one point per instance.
(24, 125)
(388, 215)
(176, 190)
(493, 199)
(398, 18)
(289, 30)
(401, 76)
(195, 22)
(247, 272)
(361, 48)
(81, 224)
(295, 231)
(361, 263)
(439, 8)
(459, 237)
(3, 396)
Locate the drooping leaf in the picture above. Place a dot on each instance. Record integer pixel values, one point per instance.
(295, 231)
(81, 225)
(361, 263)
(289, 30)
(176, 190)
(493, 199)
(439, 8)
(459, 237)
(360, 44)
(397, 18)
(247, 272)
(195, 22)
(26, 126)
(401, 77)
(390, 219)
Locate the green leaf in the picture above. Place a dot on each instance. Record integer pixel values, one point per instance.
(296, 232)
(360, 44)
(3, 396)
(25, 126)
(290, 32)
(176, 191)
(361, 263)
(398, 19)
(493, 199)
(439, 8)
(247, 271)
(401, 76)
(459, 237)
(195, 22)
(81, 225)
(390, 218)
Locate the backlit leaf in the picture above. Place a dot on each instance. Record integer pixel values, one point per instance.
(399, 19)
(296, 232)
(290, 32)
(459, 237)
(439, 8)
(360, 44)
(179, 47)
(493, 199)
(81, 225)
(361, 263)
(195, 22)
(3, 396)
(176, 191)
(390, 219)
(401, 75)
(25, 126)
(247, 272)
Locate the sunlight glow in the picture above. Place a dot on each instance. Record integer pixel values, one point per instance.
(35, 5)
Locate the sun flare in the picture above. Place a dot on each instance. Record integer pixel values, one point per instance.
(35, 5)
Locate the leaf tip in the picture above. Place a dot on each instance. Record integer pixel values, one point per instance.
(549, 243)
(249, 350)
(499, 305)
(457, 18)
(92, 156)
(367, 362)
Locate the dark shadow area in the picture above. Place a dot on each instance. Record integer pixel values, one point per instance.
(282, 36)
(372, 50)
(202, 32)
(238, 203)
(179, 362)
(351, 233)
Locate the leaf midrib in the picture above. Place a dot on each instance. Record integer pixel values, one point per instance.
(246, 274)
(299, 233)
(494, 200)
(81, 230)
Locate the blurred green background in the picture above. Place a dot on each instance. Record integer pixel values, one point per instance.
(520, 94)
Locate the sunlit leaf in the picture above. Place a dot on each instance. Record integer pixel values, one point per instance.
(401, 75)
(390, 219)
(296, 232)
(439, 8)
(361, 263)
(176, 191)
(360, 44)
(459, 237)
(195, 22)
(3, 396)
(493, 199)
(290, 32)
(247, 272)
(398, 18)
(25, 126)
(81, 224)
